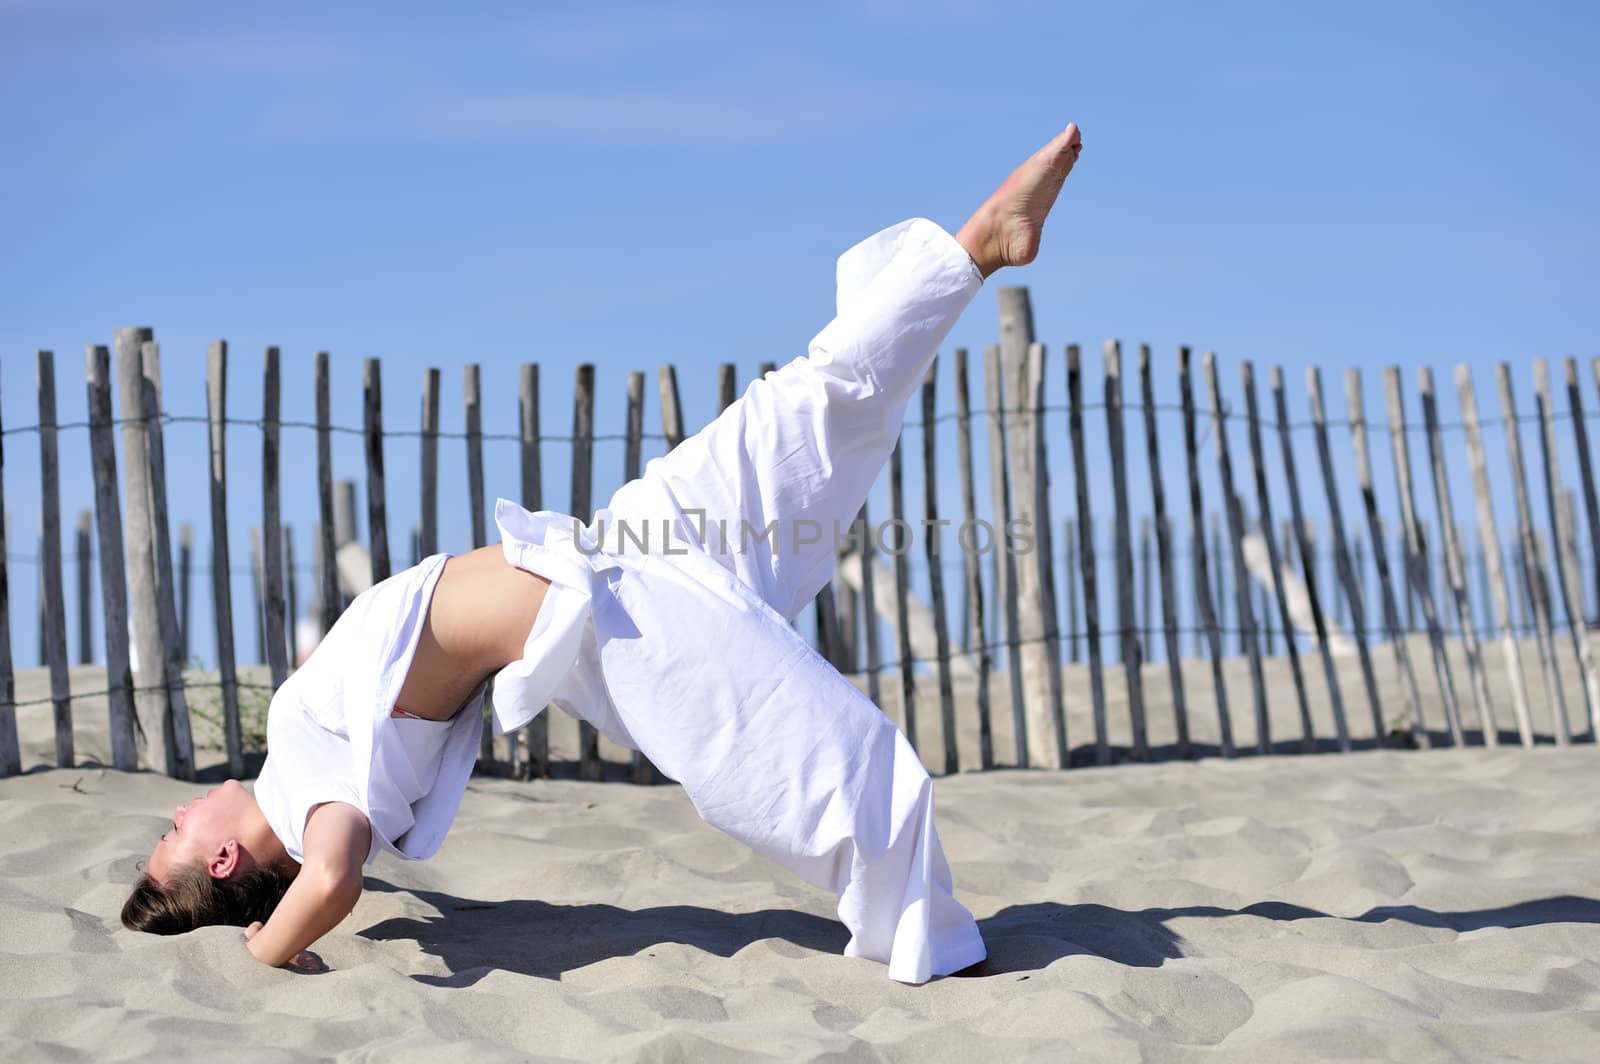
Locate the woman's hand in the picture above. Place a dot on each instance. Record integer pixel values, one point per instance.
(305, 961)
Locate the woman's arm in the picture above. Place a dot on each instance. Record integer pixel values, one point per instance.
(337, 839)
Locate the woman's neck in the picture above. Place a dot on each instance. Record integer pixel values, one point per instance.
(262, 843)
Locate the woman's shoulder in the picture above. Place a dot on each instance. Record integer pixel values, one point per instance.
(306, 768)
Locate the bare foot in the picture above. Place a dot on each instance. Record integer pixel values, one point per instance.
(1005, 231)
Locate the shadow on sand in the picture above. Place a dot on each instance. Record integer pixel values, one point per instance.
(537, 938)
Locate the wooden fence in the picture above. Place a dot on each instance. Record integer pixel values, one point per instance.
(1251, 582)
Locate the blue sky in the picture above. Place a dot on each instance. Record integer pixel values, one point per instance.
(1353, 184)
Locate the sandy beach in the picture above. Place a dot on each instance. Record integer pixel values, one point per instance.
(1385, 904)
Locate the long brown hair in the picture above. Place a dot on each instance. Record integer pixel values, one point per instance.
(194, 898)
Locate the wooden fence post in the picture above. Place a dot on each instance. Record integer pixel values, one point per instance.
(42, 655)
(10, 747)
(1417, 550)
(1489, 537)
(1308, 562)
(272, 522)
(1535, 589)
(1566, 569)
(221, 571)
(1070, 583)
(1455, 562)
(1200, 544)
(1127, 616)
(472, 395)
(166, 605)
(1288, 553)
(1358, 556)
(1000, 488)
(971, 571)
(85, 558)
(935, 558)
(149, 696)
(150, 550)
(1275, 560)
(1348, 571)
(428, 468)
(55, 607)
(1341, 600)
(1044, 553)
(1146, 626)
(1086, 561)
(377, 497)
(1484, 618)
(1243, 607)
(1163, 528)
(331, 602)
(532, 484)
(994, 629)
(185, 580)
(902, 591)
(1024, 583)
(589, 766)
(1594, 519)
(1355, 411)
(125, 729)
(1406, 582)
(1208, 621)
(727, 385)
(1267, 611)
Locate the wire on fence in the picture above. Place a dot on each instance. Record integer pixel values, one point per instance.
(1520, 630)
(1228, 415)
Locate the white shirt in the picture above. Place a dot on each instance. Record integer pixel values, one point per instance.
(331, 738)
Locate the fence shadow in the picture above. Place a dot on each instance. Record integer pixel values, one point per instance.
(545, 940)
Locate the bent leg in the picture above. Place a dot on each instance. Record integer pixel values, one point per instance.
(769, 484)
(779, 751)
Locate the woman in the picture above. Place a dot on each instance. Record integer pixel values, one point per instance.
(664, 623)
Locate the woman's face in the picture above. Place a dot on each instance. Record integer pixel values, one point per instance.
(205, 831)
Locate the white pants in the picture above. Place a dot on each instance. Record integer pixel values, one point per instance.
(700, 668)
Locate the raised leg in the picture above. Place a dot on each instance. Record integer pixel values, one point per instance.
(777, 749)
(771, 486)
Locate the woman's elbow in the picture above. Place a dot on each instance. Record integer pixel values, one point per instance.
(340, 887)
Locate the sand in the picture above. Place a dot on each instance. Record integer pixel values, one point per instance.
(1383, 904)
